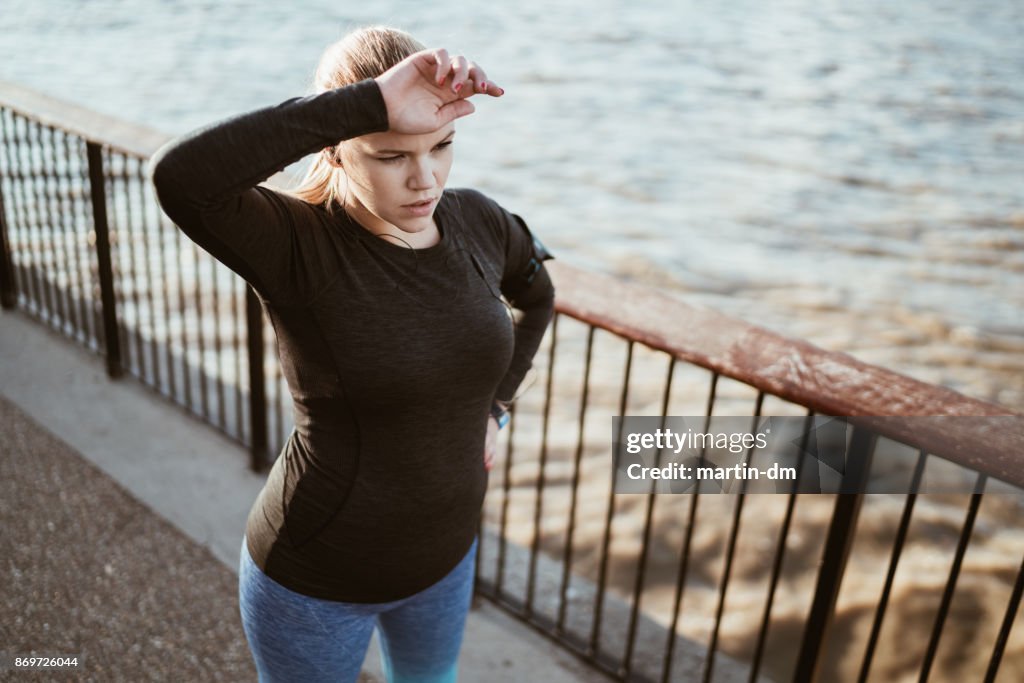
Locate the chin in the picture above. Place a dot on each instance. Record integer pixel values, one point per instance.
(418, 224)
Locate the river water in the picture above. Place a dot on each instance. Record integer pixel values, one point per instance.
(846, 174)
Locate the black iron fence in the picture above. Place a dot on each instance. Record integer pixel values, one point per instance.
(646, 587)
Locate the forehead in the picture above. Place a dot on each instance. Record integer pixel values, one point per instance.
(403, 141)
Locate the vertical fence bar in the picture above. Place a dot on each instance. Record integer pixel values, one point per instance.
(780, 551)
(37, 178)
(730, 553)
(8, 290)
(257, 382)
(581, 420)
(32, 259)
(123, 269)
(204, 394)
(1004, 630)
(15, 234)
(83, 270)
(538, 505)
(684, 559)
(652, 496)
(94, 307)
(837, 549)
(8, 277)
(478, 555)
(954, 574)
(131, 278)
(99, 217)
(273, 401)
(186, 372)
(897, 550)
(222, 420)
(51, 269)
(50, 190)
(165, 296)
(69, 233)
(236, 351)
(35, 202)
(60, 223)
(276, 381)
(602, 574)
(138, 178)
(506, 494)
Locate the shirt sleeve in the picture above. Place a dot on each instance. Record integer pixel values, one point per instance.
(527, 286)
(206, 181)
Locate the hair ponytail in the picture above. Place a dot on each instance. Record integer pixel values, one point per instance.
(364, 53)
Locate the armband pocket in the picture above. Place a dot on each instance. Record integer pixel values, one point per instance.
(521, 281)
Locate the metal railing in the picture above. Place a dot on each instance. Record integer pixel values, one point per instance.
(644, 587)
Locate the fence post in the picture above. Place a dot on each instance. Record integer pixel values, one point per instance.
(8, 288)
(257, 381)
(837, 549)
(97, 189)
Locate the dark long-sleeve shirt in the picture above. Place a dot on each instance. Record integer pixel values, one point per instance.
(393, 356)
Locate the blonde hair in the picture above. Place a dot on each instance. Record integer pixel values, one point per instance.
(364, 53)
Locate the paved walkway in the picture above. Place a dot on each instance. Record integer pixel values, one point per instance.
(122, 521)
(89, 570)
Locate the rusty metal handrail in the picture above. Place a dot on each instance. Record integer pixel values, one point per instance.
(123, 136)
(828, 382)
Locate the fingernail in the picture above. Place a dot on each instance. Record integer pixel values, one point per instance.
(441, 82)
(483, 86)
(501, 91)
(458, 86)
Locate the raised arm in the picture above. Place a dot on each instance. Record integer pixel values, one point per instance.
(206, 181)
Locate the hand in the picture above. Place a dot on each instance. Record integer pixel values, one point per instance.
(428, 89)
(491, 443)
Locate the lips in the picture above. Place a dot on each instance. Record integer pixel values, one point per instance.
(421, 203)
(421, 208)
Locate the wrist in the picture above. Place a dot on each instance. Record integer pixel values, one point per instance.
(499, 413)
(386, 96)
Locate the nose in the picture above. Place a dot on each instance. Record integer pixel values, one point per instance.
(422, 175)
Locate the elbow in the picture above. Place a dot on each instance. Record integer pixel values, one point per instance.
(547, 303)
(167, 172)
(539, 298)
(538, 311)
(161, 172)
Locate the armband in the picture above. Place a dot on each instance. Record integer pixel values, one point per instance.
(539, 253)
(499, 414)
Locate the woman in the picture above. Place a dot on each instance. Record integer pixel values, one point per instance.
(386, 294)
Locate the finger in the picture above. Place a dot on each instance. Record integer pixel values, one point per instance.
(460, 67)
(482, 84)
(454, 110)
(491, 88)
(443, 62)
(478, 77)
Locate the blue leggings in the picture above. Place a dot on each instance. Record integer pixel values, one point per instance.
(294, 637)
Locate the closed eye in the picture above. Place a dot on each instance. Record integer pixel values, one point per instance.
(397, 157)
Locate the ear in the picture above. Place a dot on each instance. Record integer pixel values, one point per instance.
(333, 157)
